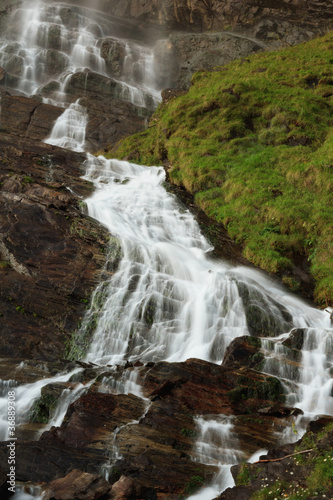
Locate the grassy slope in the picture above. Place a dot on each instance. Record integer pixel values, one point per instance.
(253, 141)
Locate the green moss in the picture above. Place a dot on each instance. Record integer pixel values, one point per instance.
(190, 433)
(26, 180)
(42, 409)
(320, 478)
(256, 151)
(269, 389)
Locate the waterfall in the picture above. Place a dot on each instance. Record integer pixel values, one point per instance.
(167, 300)
(46, 44)
(25, 397)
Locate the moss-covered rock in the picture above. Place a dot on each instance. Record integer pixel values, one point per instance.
(43, 408)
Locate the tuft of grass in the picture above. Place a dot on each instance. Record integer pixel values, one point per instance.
(256, 150)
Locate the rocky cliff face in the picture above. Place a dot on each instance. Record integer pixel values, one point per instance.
(197, 15)
(50, 254)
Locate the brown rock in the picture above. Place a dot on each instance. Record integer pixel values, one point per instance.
(77, 485)
(125, 488)
(51, 252)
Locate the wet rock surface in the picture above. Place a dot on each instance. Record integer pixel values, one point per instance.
(109, 118)
(147, 443)
(214, 15)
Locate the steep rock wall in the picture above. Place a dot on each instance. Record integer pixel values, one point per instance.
(199, 15)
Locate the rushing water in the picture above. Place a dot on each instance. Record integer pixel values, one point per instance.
(167, 300)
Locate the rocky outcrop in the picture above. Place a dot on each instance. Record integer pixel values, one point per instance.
(77, 485)
(50, 254)
(109, 120)
(147, 443)
(27, 118)
(181, 55)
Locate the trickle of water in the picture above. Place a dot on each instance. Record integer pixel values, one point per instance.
(67, 397)
(114, 453)
(216, 445)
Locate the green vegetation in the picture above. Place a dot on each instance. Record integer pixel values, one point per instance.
(77, 344)
(312, 472)
(26, 180)
(188, 433)
(244, 476)
(253, 142)
(194, 484)
(43, 408)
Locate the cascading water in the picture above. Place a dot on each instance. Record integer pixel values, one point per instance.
(46, 44)
(69, 130)
(167, 300)
(217, 445)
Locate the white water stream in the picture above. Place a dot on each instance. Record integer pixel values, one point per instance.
(167, 300)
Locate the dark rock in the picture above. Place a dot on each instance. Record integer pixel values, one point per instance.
(127, 488)
(5, 494)
(295, 339)
(52, 253)
(25, 117)
(113, 52)
(110, 120)
(264, 316)
(244, 351)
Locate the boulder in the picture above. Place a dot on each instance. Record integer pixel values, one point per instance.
(265, 317)
(77, 485)
(289, 469)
